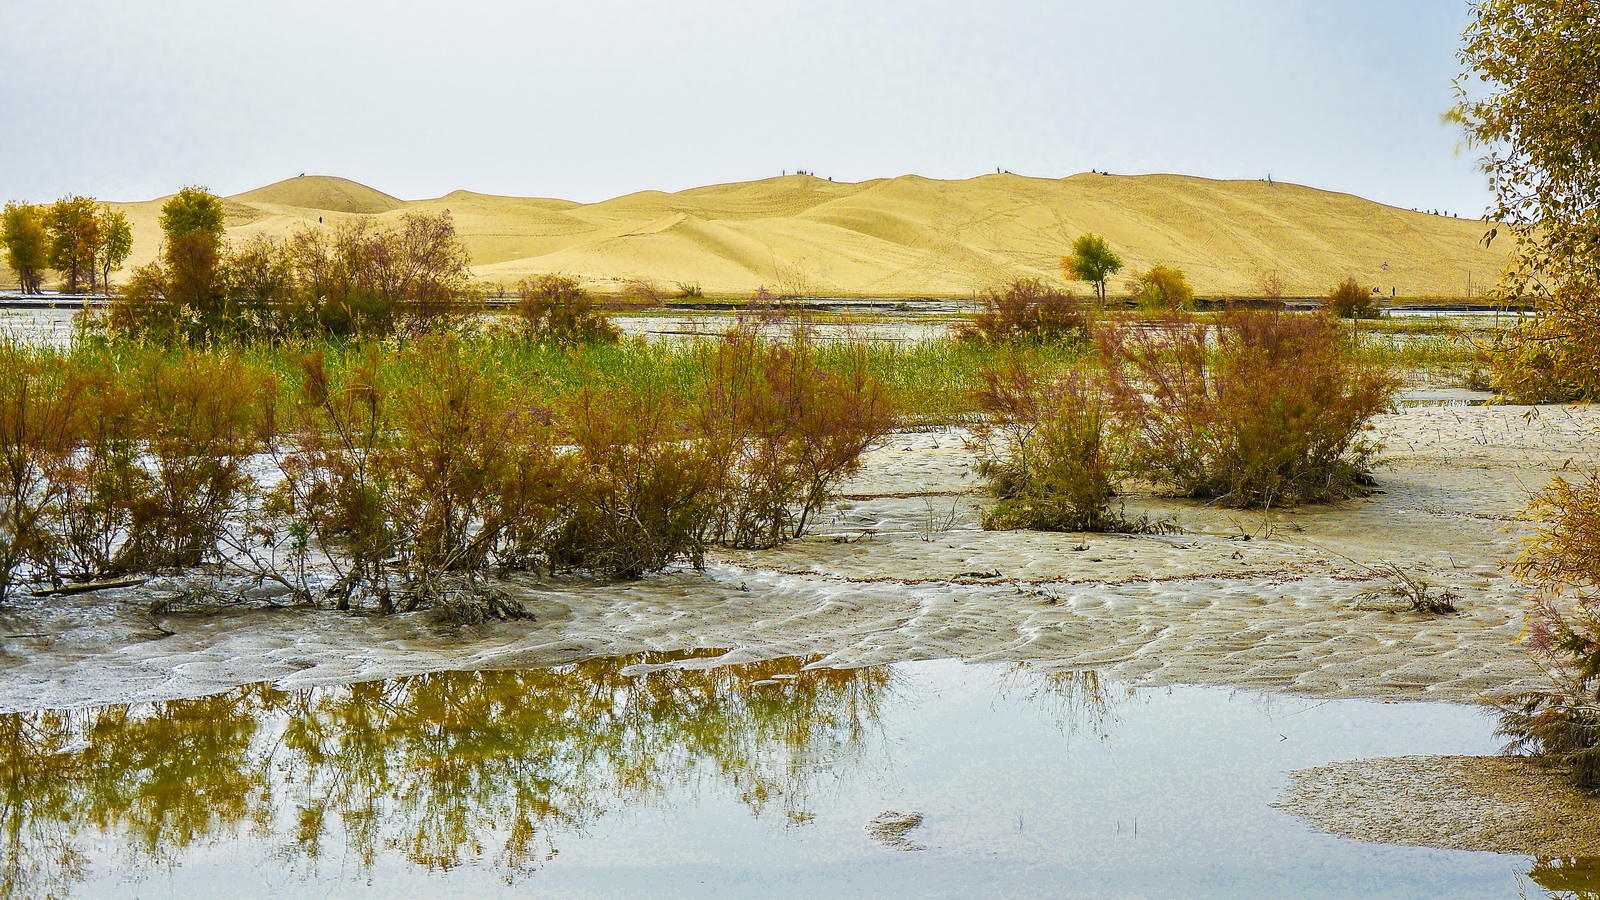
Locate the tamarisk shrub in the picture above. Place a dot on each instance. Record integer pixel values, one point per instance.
(103, 479)
(200, 416)
(557, 309)
(1045, 447)
(646, 489)
(1563, 721)
(1028, 310)
(331, 495)
(1260, 408)
(414, 472)
(36, 437)
(789, 428)
(473, 474)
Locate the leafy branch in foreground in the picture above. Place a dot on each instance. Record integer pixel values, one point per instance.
(1563, 560)
(1527, 98)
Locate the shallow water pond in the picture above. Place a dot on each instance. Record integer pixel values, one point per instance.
(667, 775)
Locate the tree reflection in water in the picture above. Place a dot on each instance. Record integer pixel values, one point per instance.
(1567, 879)
(1077, 701)
(442, 769)
(447, 769)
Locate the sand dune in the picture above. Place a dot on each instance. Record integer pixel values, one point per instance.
(322, 192)
(913, 236)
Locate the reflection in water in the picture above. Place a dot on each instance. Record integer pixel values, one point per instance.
(1077, 701)
(1569, 879)
(441, 769)
(504, 768)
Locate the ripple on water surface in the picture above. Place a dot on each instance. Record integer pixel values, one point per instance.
(671, 775)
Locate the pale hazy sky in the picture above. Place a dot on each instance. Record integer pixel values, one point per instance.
(589, 99)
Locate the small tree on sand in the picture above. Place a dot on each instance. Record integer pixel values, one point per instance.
(1163, 287)
(27, 243)
(1092, 260)
(116, 242)
(1349, 300)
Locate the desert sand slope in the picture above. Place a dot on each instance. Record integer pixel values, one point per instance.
(322, 192)
(913, 236)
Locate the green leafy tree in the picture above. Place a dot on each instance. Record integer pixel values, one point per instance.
(1163, 287)
(1527, 98)
(27, 243)
(74, 226)
(116, 242)
(1094, 261)
(193, 210)
(192, 222)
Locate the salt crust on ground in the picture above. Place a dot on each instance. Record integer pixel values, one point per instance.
(1498, 803)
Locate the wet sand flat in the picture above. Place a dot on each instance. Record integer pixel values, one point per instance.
(898, 569)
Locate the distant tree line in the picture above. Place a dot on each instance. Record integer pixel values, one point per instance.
(81, 239)
(358, 278)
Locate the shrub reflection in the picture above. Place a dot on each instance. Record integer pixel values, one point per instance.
(441, 769)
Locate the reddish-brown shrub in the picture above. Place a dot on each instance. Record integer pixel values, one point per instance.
(1262, 408)
(331, 497)
(645, 491)
(557, 309)
(790, 429)
(642, 293)
(103, 478)
(1028, 310)
(200, 417)
(407, 473)
(415, 471)
(37, 435)
(1046, 450)
(474, 479)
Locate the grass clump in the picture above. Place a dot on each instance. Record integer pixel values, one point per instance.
(1258, 408)
(1562, 721)
(1406, 592)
